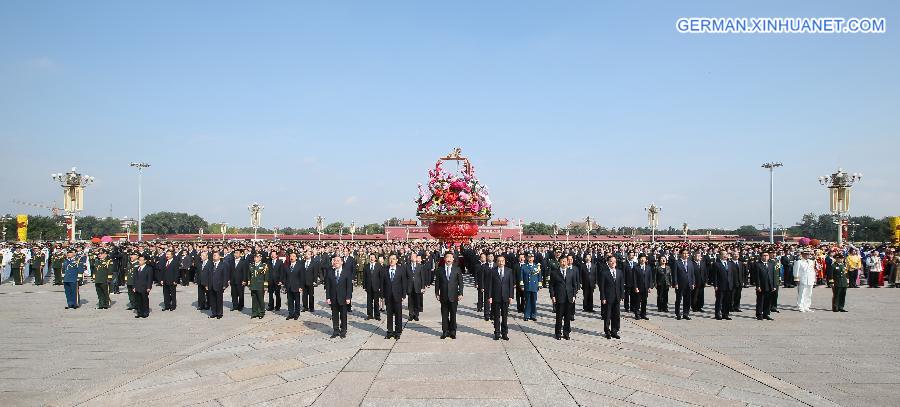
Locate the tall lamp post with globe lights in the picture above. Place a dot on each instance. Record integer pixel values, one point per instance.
(320, 226)
(73, 184)
(255, 217)
(771, 166)
(653, 220)
(839, 185)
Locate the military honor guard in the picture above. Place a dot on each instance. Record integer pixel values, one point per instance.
(840, 280)
(338, 294)
(17, 266)
(56, 262)
(448, 289)
(258, 282)
(73, 270)
(103, 270)
(531, 281)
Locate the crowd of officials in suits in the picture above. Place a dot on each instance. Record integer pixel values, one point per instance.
(505, 276)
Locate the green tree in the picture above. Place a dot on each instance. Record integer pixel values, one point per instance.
(333, 228)
(372, 229)
(747, 230)
(165, 223)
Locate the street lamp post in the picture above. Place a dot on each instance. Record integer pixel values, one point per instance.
(320, 225)
(684, 228)
(224, 229)
(126, 224)
(653, 220)
(5, 219)
(589, 225)
(771, 166)
(839, 185)
(140, 166)
(352, 230)
(73, 184)
(255, 217)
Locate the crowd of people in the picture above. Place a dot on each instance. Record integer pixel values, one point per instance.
(505, 276)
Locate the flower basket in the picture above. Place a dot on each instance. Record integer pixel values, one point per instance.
(453, 205)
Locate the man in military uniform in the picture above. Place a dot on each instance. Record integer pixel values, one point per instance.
(530, 278)
(259, 281)
(56, 261)
(73, 270)
(840, 280)
(17, 267)
(37, 266)
(103, 271)
(129, 279)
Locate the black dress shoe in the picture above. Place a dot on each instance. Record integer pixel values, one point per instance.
(768, 318)
(727, 318)
(334, 335)
(343, 335)
(774, 310)
(607, 336)
(556, 337)
(269, 309)
(843, 310)
(368, 318)
(505, 338)
(452, 336)
(678, 317)
(388, 336)
(645, 318)
(396, 337)
(616, 336)
(687, 318)
(496, 337)
(67, 307)
(137, 316)
(718, 318)
(443, 336)
(218, 317)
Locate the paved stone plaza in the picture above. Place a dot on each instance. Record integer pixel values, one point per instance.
(53, 356)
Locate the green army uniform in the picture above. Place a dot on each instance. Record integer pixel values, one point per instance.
(15, 266)
(129, 283)
(102, 276)
(37, 268)
(840, 280)
(259, 281)
(56, 262)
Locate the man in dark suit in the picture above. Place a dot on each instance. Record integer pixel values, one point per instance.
(202, 278)
(739, 269)
(485, 273)
(588, 282)
(448, 289)
(143, 282)
(611, 284)
(723, 281)
(643, 282)
(563, 286)
(701, 275)
(478, 277)
(238, 274)
(170, 277)
(628, 265)
(499, 291)
(276, 277)
(293, 284)
(394, 288)
(765, 286)
(683, 279)
(416, 285)
(310, 269)
(373, 286)
(338, 293)
(218, 282)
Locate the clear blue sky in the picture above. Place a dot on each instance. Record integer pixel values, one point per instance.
(567, 109)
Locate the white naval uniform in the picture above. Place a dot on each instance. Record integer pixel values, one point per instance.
(805, 277)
